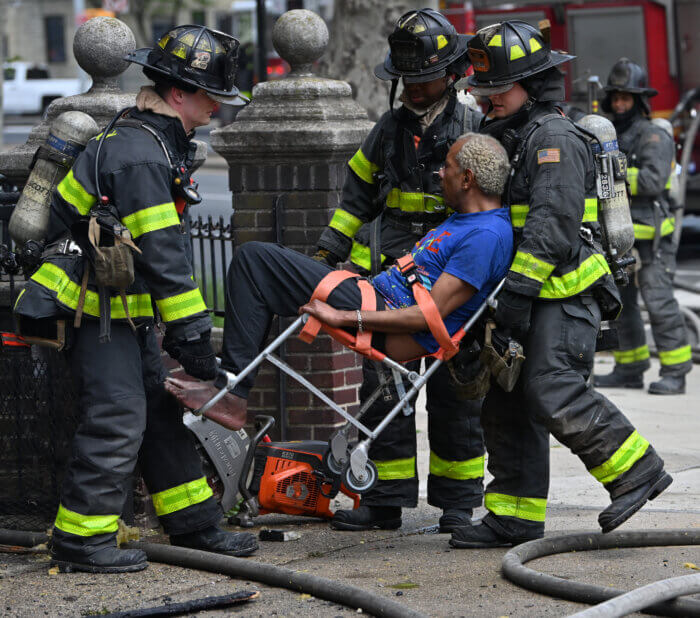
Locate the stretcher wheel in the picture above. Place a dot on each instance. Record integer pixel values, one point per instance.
(331, 464)
(354, 484)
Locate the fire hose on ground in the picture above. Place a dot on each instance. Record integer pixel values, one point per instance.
(651, 599)
(271, 575)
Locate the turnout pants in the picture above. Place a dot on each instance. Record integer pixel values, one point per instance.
(654, 281)
(127, 414)
(456, 440)
(553, 396)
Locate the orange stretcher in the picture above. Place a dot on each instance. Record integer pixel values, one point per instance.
(346, 462)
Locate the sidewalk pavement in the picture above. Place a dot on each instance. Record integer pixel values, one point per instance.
(415, 567)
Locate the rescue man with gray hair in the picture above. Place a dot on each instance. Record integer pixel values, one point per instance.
(461, 261)
(557, 290)
(131, 187)
(650, 157)
(391, 198)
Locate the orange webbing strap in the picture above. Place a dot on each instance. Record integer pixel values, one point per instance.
(323, 290)
(13, 341)
(428, 308)
(363, 340)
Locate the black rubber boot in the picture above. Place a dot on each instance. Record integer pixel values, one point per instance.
(668, 385)
(367, 518)
(626, 505)
(454, 518)
(479, 536)
(216, 540)
(619, 379)
(100, 559)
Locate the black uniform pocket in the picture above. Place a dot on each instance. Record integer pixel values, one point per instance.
(580, 330)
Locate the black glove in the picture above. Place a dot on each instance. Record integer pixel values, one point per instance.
(513, 314)
(196, 357)
(327, 257)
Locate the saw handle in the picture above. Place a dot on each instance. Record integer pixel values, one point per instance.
(263, 424)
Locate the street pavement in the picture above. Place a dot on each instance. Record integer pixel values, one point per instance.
(411, 565)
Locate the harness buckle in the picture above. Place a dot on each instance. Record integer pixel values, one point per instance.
(408, 269)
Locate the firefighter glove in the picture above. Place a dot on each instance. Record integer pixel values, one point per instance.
(513, 314)
(196, 357)
(326, 257)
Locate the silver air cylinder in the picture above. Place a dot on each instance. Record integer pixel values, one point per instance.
(68, 135)
(614, 213)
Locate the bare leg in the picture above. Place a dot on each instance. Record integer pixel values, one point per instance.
(230, 411)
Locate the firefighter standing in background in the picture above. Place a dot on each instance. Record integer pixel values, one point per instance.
(650, 156)
(119, 374)
(392, 183)
(557, 290)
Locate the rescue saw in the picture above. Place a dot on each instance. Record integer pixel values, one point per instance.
(287, 477)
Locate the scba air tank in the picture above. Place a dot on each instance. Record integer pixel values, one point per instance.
(614, 213)
(68, 135)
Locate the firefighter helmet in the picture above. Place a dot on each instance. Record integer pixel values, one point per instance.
(196, 56)
(424, 46)
(503, 54)
(627, 76)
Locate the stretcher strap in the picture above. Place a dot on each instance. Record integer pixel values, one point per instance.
(362, 342)
(428, 308)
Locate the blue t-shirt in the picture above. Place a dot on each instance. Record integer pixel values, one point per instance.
(475, 247)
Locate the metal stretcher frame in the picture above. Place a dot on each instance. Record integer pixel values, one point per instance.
(353, 464)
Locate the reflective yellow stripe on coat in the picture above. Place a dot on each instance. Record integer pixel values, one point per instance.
(345, 222)
(360, 255)
(648, 232)
(363, 167)
(181, 305)
(151, 219)
(75, 194)
(518, 212)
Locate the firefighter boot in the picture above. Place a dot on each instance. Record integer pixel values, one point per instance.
(668, 385)
(626, 505)
(99, 555)
(619, 379)
(485, 534)
(367, 518)
(454, 518)
(216, 540)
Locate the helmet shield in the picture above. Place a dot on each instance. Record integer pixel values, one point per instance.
(196, 56)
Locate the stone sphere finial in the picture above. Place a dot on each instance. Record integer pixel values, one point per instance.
(300, 37)
(99, 47)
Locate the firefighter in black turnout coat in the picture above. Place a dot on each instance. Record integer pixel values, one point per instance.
(558, 289)
(125, 412)
(650, 157)
(391, 198)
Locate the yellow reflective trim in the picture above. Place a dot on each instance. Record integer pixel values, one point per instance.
(85, 525)
(668, 182)
(441, 41)
(648, 232)
(345, 222)
(180, 497)
(360, 255)
(67, 293)
(576, 281)
(363, 167)
(496, 41)
(164, 41)
(534, 45)
(622, 459)
(415, 202)
(181, 305)
(519, 212)
(531, 267)
(635, 355)
(151, 219)
(632, 177)
(457, 470)
(531, 509)
(396, 469)
(75, 194)
(677, 356)
(179, 51)
(516, 52)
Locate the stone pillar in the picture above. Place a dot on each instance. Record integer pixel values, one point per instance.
(287, 153)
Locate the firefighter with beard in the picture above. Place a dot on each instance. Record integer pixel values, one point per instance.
(650, 154)
(115, 358)
(557, 290)
(391, 198)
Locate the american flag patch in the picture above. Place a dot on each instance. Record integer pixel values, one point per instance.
(548, 155)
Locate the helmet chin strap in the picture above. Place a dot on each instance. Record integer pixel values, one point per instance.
(392, 94)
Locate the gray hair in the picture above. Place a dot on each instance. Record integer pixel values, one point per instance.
(487, 159)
